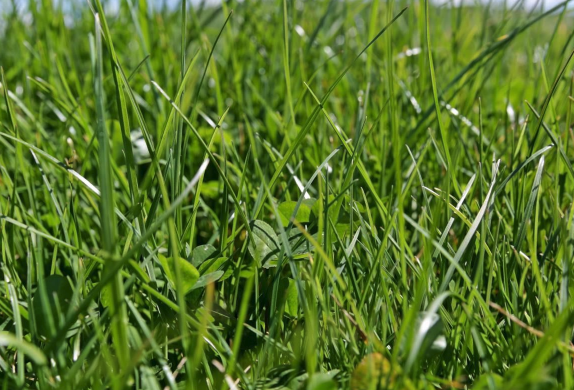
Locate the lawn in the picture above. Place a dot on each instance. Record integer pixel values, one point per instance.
(286, 194)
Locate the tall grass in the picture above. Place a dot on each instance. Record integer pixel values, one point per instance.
(286, 194)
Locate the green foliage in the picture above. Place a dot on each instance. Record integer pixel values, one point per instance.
(201, 253)
(289, 210)
(188, 273)
(33, 352)
(264, 244)
(286, 194)
(58, 298)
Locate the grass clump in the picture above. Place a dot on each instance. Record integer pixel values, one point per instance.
(286, 194)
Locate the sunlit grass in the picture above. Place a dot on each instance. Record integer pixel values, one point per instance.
(286, 194)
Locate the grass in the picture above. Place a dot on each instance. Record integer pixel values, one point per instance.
(286, 194)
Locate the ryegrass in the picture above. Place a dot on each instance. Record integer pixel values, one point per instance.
(286, 194)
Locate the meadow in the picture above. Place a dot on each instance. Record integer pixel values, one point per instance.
(286, 194)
